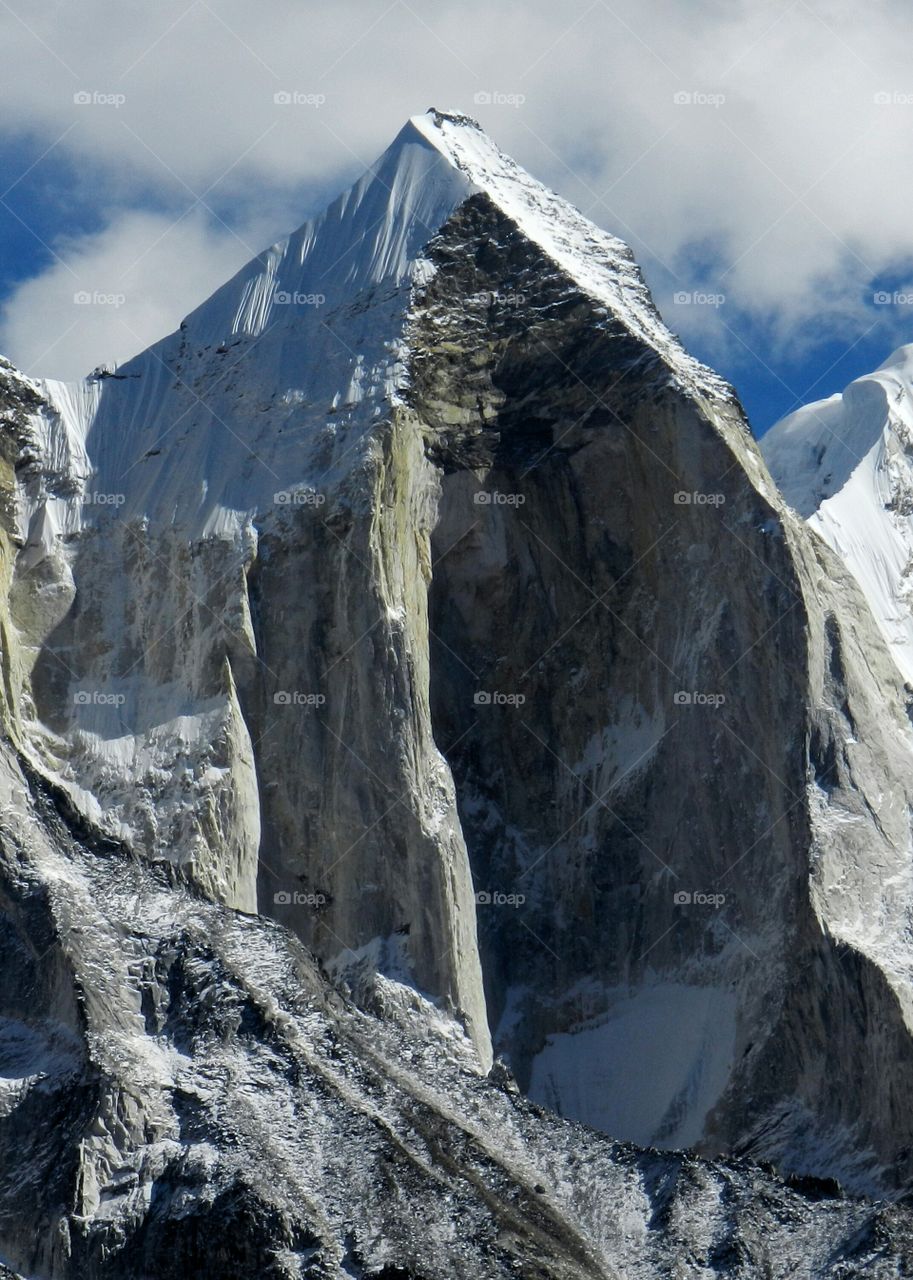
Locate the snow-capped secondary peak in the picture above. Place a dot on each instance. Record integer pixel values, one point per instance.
(846, 464)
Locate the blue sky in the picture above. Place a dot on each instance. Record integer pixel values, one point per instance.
(754, 155)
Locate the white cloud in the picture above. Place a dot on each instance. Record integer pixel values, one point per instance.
(114, 292)
(784, 176)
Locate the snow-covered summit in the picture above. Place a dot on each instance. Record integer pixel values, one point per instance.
(846, 464)
(316, 325)
(376, 231)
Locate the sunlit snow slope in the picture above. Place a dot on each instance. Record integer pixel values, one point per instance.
(846, 464)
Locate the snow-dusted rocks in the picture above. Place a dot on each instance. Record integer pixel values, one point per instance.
(423, 594)
(183, 1095)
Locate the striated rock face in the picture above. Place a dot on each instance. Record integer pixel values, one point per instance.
(408, 658)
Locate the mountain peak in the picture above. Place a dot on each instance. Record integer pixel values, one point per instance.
(377, 231)
(332, 298)
(418, 595)
(450, 117)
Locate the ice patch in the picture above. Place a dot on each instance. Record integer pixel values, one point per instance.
(650, 1071)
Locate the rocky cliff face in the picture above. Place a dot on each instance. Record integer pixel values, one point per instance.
(683, 777)
(412, 655)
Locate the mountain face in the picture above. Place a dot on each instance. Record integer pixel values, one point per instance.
(409, 661)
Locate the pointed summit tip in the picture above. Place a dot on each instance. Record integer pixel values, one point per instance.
(438, 118)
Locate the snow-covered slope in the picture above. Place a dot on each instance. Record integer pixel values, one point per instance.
(846, 464)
